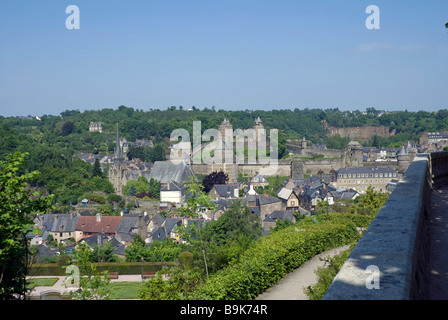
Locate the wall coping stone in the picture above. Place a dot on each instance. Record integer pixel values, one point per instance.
(389, 243)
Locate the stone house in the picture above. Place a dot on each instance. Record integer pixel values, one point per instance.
(290, 198)
(60, 226)
(270, 220)
(264, 204)
(224, 191)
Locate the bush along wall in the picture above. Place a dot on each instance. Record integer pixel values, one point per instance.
(54, 269)
(272, 257)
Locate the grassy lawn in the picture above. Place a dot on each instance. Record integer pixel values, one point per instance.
(42, 282)
(124, 290)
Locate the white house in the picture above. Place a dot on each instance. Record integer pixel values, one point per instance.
(172, 192)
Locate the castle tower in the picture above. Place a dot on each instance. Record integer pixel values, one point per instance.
(258, 126)
(403, 160)
(304, 143)
(355, 154)
(225, 125)
(412, 152)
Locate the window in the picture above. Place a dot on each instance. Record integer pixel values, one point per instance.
(292, 203)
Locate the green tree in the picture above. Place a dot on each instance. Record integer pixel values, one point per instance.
(132, 191)
(97, 172)
(18, 204)
(103, 253)
(198, 201)
(93, 285)
(179, 285)
(369, 203)
(154, 187)
(136, 250)
(235, 223)
(102, 184)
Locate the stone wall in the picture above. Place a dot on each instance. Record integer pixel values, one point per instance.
(394, 246)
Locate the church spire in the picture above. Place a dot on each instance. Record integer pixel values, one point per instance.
(118, 153)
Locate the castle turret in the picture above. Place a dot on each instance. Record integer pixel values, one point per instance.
(355, 154)
(304, 143)
(412, 152)
(403, 160)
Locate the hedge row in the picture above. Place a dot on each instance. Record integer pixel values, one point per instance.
(54, 269)
(272, 257)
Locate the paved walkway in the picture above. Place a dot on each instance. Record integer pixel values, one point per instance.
(438, 245)
(292, 285)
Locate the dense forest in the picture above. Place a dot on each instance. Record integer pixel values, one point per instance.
(52, 140)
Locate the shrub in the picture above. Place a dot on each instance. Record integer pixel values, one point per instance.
(272, 257)
(54, 269)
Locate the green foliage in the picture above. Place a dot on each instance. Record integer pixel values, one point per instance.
(53, 269)
(280, 224)
(154, 187)
(166, 250)
(95, 197)
(337, 142)
(236, 221)
(271, 257)
(54, 140)
(132, 191)
(147, 154)
(97, 172)
(179, 285)
(326, 275)
(102, 184)
(18, 205)
(370, 202)
(186, 259)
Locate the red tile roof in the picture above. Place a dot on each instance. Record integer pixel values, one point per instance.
(108, 224)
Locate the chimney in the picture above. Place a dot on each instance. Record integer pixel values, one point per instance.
(98, 217)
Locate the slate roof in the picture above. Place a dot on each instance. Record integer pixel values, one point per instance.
(173, 186)
(344, 194)
(165, 171)
(170, 223)
(285, 193)
(159, 234)
(158, 219)
(264, 199)
(365, 170)
(258, 178)
(279, 214)
(225, 190)
(60, 222)
(127, 224)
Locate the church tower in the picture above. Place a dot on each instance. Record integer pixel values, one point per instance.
(116, 172)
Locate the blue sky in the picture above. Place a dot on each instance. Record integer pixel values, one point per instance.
(246, 54)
